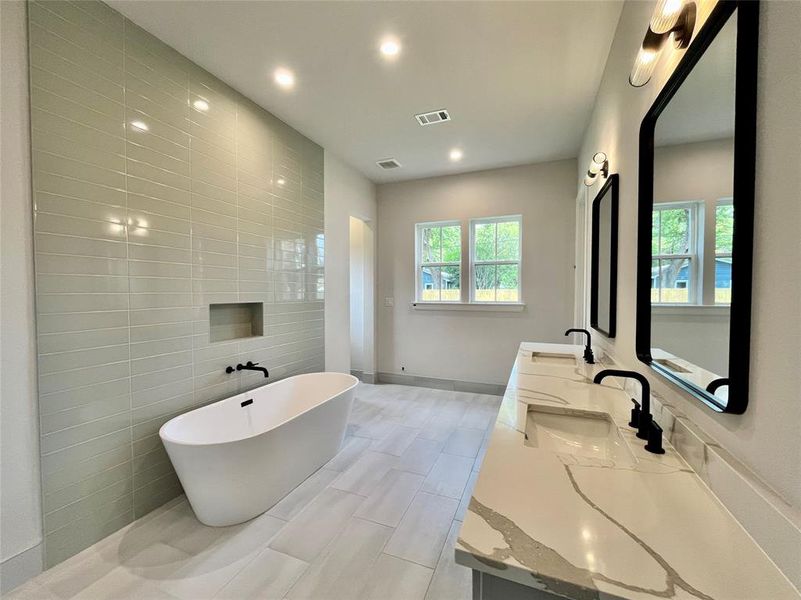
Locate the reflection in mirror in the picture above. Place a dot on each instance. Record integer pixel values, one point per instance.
(603, 275)
(693, 221)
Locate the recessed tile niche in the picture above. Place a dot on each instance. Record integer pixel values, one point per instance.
(235, 321)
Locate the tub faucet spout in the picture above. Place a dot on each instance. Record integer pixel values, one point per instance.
(248, 366)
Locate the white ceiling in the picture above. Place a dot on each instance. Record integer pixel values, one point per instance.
(519, 78)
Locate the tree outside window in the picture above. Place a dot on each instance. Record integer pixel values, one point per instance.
(673, 254)
(495, 256)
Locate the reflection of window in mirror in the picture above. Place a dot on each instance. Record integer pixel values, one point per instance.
(674, 244)
(679, 231)
(724, 226)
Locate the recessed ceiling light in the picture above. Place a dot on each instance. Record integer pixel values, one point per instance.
(284, 77)
(390, 48)
(455, 155)
(140, 125)
(281, 181)
(201, 105)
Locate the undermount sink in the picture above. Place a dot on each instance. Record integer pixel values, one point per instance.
(592, 435)
(554, 358)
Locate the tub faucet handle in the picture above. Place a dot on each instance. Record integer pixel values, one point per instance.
(251, 366)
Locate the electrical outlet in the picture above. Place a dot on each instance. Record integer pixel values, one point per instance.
(388, 301)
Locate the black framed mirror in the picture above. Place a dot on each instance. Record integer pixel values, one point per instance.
(696, 213)
(603, 260)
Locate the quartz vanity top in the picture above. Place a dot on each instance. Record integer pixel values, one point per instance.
(590, 527)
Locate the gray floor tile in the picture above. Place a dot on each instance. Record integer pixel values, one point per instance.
(423, 529)
(450, 581)
(448, 476)
(393, 578)
(291, 504)
(306, 535)
(205, 574)
(420, 456)
(31, 590)
(439, 428)
(464, 442)
(362, 477)
(351, 450)
(342, 570)
(391, 498)
(466, 495)
(396, 443)
(267, 577)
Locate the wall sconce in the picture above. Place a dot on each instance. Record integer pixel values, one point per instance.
(671, 17)
(598, 164)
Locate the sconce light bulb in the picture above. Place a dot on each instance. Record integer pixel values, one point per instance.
(644, 66)
(589, 179)
(666, 15)
(599, 158)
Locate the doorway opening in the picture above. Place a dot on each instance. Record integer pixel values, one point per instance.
(362, 306)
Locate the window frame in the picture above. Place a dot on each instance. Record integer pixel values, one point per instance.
(694, 258)
(473, 262)
(727, 201)
(419, 263)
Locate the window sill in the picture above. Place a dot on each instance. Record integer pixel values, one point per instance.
(691, 309)
(470, 306)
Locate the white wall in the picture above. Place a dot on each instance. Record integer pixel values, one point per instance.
(357, 265)
(347, 193)
(766, 437)
(476, 346)
(20, 504)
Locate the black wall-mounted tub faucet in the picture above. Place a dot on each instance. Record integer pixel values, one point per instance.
(248, 366)
(641, 417)
(589, 357)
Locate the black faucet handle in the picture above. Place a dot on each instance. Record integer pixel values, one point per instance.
(635, 414)
(644, 425)
(654, 444)
(251, 364)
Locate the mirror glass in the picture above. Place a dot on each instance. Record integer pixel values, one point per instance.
(603, 299)
(693, 221)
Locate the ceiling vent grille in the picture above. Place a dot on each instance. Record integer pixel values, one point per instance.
(388, 163)
(430, 118)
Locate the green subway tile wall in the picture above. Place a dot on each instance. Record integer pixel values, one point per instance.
(147, 210)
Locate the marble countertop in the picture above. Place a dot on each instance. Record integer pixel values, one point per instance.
(590, 527)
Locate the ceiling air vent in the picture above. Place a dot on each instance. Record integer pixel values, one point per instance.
(388, 163)
(430, 118)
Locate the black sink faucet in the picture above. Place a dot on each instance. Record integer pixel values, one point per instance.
(589, 357)
(641, 417)
(248, 366)
(713, 385)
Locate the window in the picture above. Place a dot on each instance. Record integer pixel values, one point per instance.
(495, 259)
(673, 249)
(492, 261)
(724, 227)
(439, 262)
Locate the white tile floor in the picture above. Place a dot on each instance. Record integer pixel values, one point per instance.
(379, 521)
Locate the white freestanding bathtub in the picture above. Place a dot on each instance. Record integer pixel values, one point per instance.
(237, 457)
